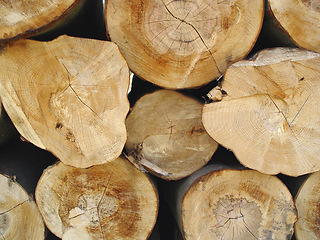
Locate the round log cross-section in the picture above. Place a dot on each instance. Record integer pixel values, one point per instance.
(269, 112)
(68, 96)
(217, 203)
(183, 44)
(166, 135)
(109, 201)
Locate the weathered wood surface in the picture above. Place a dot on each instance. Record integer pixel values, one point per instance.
(109, 201)
(19, 215)
(294, 22)
(22, 19)
(166, 135)
(221, 203)
(183, 44)
(268, 115)
(68, 96)
(307, 204)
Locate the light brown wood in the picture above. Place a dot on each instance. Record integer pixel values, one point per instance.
(68, 96)
(166, 135)
(183, 44)
(21, 19)
(307, 203)
(268, 115)
(298, 20)
(220, 203)
(109, 201)
(19, 215)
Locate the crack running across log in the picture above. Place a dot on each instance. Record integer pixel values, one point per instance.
(197, 32)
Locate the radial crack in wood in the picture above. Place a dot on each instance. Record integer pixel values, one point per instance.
(269, 117)
(68, 96)
(183, 44)
(219, 203)
(109, 201)
(166, 135)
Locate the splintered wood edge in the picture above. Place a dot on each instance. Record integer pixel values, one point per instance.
(215, 206)
(19, 26)
(264, 95)
(71, 147)
(176, 52)
(19, 214)
(113, 200)
(307, 203)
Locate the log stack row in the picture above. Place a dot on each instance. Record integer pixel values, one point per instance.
(133, 116)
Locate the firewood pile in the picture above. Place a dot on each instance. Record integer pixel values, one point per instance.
(156, 119)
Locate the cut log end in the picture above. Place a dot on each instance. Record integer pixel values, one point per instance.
(166, 135)
(237, 204)
(269, 116)
(25, 19)
(297, 20)
(19, 215)
(61, 112)
(183, 44)
(100, 202)
(308, 207)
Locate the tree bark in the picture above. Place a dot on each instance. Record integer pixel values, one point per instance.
(221, 203)
(68, 96)
(183, 44)
(109, 201)
(294, 22)
(268, 115)
(307, 204)
(165, 135)
(29, 18)
(19, 215)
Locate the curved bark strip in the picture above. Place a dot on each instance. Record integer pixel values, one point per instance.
(166, 135)
(307, 203)
(268, 115)
(19, 215)
(109, 201)
(219, 203)
(22, 19)
(183, 44)
(68, 96)
(298, 19)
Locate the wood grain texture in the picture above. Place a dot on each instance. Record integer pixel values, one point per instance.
(221, 203)
(269, 114)
(68, 96)
(19, 215)
(22, 19)
(183, 44)
(109, 201)
(166, 135)
(298, 19)
(307, 203)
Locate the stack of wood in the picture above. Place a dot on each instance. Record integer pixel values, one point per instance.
(110, 164)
